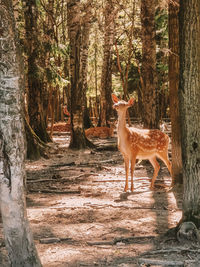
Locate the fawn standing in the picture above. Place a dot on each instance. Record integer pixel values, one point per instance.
(139, 143)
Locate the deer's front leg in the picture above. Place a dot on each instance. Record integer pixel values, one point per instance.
(126, 161)
(133, 160)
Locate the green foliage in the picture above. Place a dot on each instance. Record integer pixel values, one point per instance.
(47, 47)
(161, 21)
(162, 68)
(53, 59)
(36, 72)
(54, 71)
(134, 79)
(53, 77)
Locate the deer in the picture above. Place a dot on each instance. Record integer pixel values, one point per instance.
(134, 143)
(101, 132)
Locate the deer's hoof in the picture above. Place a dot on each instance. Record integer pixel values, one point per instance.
(125, 189)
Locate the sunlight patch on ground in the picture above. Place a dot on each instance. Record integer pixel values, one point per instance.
(62, 140)
(90, 256)
(176, 213)
(33, 166)
(58, 252)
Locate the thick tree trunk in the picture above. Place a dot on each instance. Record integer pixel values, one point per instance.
(78, 139)
(18, 237)
(35, 78)
(106, 76)
(35, 146)
(86, 25)
(33, 150)
(189, 93)
(173, 91)
(149, 75)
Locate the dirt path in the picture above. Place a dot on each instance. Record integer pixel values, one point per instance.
(80, 215)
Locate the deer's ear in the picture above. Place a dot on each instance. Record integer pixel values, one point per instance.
(114, 98)
(131, 101)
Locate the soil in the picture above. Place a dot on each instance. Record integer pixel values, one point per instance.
(80, 215)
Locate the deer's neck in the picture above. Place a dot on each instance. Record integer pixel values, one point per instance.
(121, 127)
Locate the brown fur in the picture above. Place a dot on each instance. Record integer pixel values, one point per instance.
(101, 132)
(139, 143)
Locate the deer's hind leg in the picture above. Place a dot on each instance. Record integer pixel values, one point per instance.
(164, 157)
(156, 167)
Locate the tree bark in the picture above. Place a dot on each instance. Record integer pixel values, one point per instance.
(74, 32)
(149, 75)
(78, 138)
(189, 95)
(106, 76)
(18, 237)
(173, 91)
(35, 77)
(86, 25)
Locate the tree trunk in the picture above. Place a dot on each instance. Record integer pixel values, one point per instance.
(86, 25)
(33, 148)
(18, 237)
(149, 76)
(189, 94)
(35, 77)
(173, 91)
(106, 76)
(78, 139)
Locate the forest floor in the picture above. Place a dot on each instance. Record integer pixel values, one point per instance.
(80, 215)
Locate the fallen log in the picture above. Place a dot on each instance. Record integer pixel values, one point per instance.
(162, 263)
(124, 240)
(60, 179)
(99, 243)
(72, 163)
(51, 240)
(171, 250)
(78, 192)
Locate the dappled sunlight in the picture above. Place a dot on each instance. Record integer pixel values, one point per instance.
(89, 256)
(89, 99)
(176, 213)
(87, 211)
(62, 140)
(50, 255)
